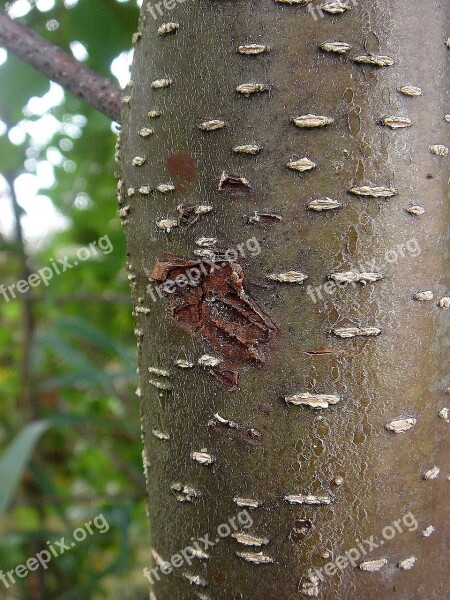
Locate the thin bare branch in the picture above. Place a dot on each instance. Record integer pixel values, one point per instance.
(54, 63)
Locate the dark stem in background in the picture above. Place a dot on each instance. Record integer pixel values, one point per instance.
(54, 63)
(28, 403)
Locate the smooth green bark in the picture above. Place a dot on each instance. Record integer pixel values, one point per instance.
(374, 476)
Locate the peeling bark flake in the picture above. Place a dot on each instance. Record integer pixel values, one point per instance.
(185, 493)
(212, 125)
(146, 132)
(336, 47)
(439, 150)
(410, 90)
(141, 310)
(432, 473)
(249, 540)
(301, 165)
(252, 149)
(160, 434)
(415, 210)
(138, 161)
(401, 425)
(374, 60)
(165, 188)
(203, 457)
(407, 563)
(253, 49)
(246, 502)
(312, 121)
(257, 558)
(209, 361)
(395, 122)
(444, 413)
(288, 277)
(308, 499)
(195, 580)
(160, 385)
(184, 364)
(160, 372)
(248, 89)
(428, 531)
(351, 332)
(423, 296)
(159, 84)
(355, 277)
(323, 204)
(373, 191)
(373, 565)
(444, 302)
(205, 242)
(167, 224)
(298, 2)
(335, 8)
(166, 28)
(316, 401)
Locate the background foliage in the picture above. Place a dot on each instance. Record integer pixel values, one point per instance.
(69, 431)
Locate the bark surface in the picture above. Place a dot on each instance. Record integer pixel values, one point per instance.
(275, 337)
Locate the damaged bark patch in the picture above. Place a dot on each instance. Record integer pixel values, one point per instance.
(208, 298)
(264, 218)
(190, 214)
(234, 183)
(300, 530)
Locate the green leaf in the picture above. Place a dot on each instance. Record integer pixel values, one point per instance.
(83, 330)
(14, 460)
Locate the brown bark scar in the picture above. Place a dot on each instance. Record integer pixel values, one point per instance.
(182, 169)
(213, 304)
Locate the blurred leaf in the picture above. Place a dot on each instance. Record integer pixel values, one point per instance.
(19, 82)
(14, 460)
(11, 155)
(85, 331)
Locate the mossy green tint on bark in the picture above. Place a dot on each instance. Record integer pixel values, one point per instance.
(277, 125)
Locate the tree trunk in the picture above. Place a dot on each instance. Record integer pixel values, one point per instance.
(329, 394)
